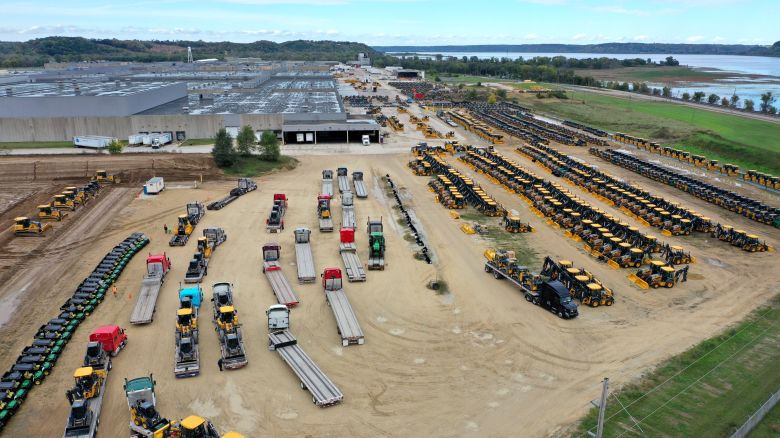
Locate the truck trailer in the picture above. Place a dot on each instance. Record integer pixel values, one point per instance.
(360, 188)
(273, 271)
(342, 173)
(327, 182)
(346, 322)
(324, 214)
(348, 219)
(157, 267)
(348, 251)
(303, 256)
(92, 141)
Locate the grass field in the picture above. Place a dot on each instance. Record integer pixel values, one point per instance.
(197, 141)
(254, 166)
(501, 239)
(36, 145)
(769, 427)
(748, 143)
(652, 74)
(468, 80)
(707, 391)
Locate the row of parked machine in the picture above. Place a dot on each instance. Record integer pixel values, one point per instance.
(38, 358)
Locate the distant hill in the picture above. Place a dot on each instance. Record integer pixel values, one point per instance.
(34, 53)
(606, 48)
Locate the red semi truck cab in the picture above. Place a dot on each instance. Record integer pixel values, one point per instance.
(281, 197)
(111, 337)
(331, 279)
(158, 263)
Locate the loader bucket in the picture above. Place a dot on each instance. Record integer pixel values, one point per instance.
(638, 281)
(613, 264)
(466, 228)
(666, 233)
(587, 248)
(455, 215)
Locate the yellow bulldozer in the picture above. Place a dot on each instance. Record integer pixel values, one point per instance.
(24, 226)
(61, 202)
(103, 177)
(48, 212)
(80, 195)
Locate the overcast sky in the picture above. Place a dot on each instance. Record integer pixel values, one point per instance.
(400, 22)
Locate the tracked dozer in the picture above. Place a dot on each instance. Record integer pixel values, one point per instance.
(48, 212)
(24, 226)
(61, 202)
(103, 177)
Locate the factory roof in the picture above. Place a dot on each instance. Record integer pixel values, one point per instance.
(66, 89)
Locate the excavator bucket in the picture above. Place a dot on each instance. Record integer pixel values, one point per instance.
(638, 281)
(613, 264)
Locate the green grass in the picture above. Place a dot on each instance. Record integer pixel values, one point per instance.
(652, 74)
(36, 145)
(466, 79)
(254, 166)
(748, 143)
(769, 426)
(707, 391)
(530, 85)
(500, 238)
(197, 141)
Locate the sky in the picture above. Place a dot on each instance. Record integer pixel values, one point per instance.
(400, 22)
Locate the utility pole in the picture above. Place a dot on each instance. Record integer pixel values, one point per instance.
(602, 408)
(602, 405)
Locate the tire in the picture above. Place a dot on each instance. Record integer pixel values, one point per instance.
(496, 275)
(528, 298)
(594, 303)
(110, 365)
(303, 386)
(487, 269)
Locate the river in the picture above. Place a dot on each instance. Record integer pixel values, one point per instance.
(744, 86)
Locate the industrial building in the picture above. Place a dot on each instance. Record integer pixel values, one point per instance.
(299, 101)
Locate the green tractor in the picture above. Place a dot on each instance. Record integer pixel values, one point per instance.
(376, 245)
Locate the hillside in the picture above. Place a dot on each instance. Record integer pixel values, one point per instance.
(34, 53)
(606, 48)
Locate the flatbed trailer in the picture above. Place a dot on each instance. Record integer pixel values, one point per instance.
(348, 219)
(143, 313)
(273, 271)
(360, 188)
(326, 225)
(245, 185)
(231, 347)
(179, 240)
(341, 174)
(346, 320)
(93, 405)
(538, 297)
(187, 356)
(221, 203)
(352, 264)
(324, 392)
(327, 182)
(303, 256)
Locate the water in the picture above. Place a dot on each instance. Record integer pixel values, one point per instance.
(745, 87)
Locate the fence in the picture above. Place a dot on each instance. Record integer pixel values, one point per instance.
(757, 416)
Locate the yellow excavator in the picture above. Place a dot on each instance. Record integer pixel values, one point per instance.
(48, 212)
(24, 226)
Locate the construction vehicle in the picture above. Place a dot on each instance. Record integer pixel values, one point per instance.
(341, 173)
(273, 272)
(675, 255)
(513, 224)
(323, 391)
(304, 260)
(195, 212)
(197, 269)
(111, 339)
(376, 244)
(327, 182)
(145, 421)
(348, 251)
(157, 267)
(61, 202)
(580, 283)
(204, 247)
(275, 221)
(24, 226)
(360, 188)
(347, 323)
(103, 177)
(187, 361)
(231, 343)
(79, 194)
(323, 213)
(182, 232)
(86, 400)
(215, 235)
(503, 264)
(626, 256)
(658, 274)
(245, 185)
(49, 212)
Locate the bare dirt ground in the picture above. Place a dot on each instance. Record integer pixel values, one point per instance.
(478, 361)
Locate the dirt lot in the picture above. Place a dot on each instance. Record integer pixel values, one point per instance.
(478, 361)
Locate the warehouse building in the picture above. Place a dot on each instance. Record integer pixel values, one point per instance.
(299, 102)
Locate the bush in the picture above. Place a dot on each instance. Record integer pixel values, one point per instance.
(115, 147)
(246, 140)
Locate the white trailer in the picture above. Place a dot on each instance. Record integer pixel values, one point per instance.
(341, 173)
(346, 321)
(92, 141)
(161, 139)
(360, 188)
(135, 139)
(324, 392)
(154, 186)
(348, 219)
(303, 256)
(327, 182)
(273, 272)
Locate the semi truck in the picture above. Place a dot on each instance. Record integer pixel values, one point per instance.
(145, 420)
(197, 269)
(273, 272)
(231, 343)
(304, 259)
(360, 188)
(275, 221)
(348, 251)
(327, 182)
(376, 244)
(324, 213)
(346, 322)
(245, 185)
(187, 356)
(157, 267)
(159, 140)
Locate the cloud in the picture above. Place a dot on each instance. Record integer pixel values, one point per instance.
(578, 37)
(531, 36)
(718, 39)
(694, 38)
(545, 2)
(641, 38)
